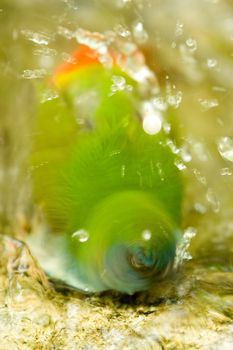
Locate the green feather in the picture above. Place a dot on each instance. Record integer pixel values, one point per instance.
(95, 169)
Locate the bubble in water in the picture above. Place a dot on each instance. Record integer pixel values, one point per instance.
(82, 235)
(139, 32)
(225, 147)
(152, 121)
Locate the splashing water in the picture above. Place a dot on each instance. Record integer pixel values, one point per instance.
(82, 235)
(225, 147)
(182, 250)
(194, 310)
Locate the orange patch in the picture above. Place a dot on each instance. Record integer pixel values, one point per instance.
(83, 56)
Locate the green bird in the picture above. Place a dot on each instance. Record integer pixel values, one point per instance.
(105, 179)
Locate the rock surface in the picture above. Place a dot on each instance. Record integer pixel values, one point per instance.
(192, 310)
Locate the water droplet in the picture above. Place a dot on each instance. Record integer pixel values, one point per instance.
(68, 58)
(33, 73)
(71, 4)
(122, 31)
(173, 96)
(160, 171)
(115, 152)
(152, 122)
(15, 33)
(213, 200)
(46, 61)
(219, 89)
(123, 171)
(167, 128)
(200, 177)
(200, 208)
(159, 103)
(182, 252)
(65, 32)
(173, 45)
(48, 95)
(96, 41)
(142, 74)
(146, 235)
(37, 38)
(119, 83)
(82, 235)
(211, 63)
(200, 151)
(192, 44)
(185, 154)
(172, 146)
(225, 147)
(208, 103)
(122, 3)
(179, 28)
(139, 32)
(180, 165)
(225, 172)
(45, 51)
(175, 99)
